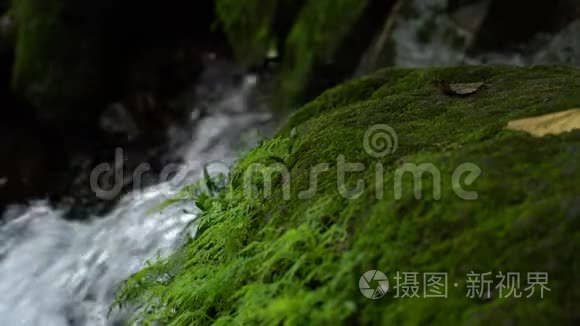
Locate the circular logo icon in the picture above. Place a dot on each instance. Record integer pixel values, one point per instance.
(377, 292)
(380, 141)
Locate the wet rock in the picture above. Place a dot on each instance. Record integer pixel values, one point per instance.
(327, 43)
(89, 77)
(447, 33)
(545, 48)
(7, 27)
(32, 157)
(59, 67)
(7, 33)
(425, 34)
(74, 58)
(468, 15)
(510, 23)
(563, 47)
(319, 42)
(117, 121)
(254, 27)
(44, 163)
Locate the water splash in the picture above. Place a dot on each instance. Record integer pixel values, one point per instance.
(55, 272)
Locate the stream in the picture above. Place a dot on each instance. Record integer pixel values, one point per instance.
(55, 272)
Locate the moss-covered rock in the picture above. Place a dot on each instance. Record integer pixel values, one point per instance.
(320, 41)
(315, 39)
(59, 64)
(296, 258)
(256, 26)
(325, 45)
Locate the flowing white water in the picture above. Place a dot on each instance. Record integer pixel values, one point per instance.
(448, 36)
(55, 272)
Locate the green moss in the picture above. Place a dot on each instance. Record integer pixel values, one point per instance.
(314, 40)
(295, 261)
(57, 64)
(248, 25)
(320, 41)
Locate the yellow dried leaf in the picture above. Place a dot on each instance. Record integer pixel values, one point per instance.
(460, 89)
(548, 124)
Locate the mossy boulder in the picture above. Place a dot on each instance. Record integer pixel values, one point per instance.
(255, 27)
(315, 44)
(320, 42)
(296, 258)
(59, 51)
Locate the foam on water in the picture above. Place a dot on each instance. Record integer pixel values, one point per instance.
(55, 272)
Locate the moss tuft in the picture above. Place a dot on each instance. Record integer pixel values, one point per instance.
(268, 260)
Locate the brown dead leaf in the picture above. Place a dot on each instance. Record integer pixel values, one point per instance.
(460, 89)
(548, 124)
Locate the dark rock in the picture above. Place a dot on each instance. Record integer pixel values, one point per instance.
(510, 23)
(447, 33)
(75, 57)
(58, 66)
(326, 44)
(7, 30)
(316, 43)
(254, 27)
(89, 77)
